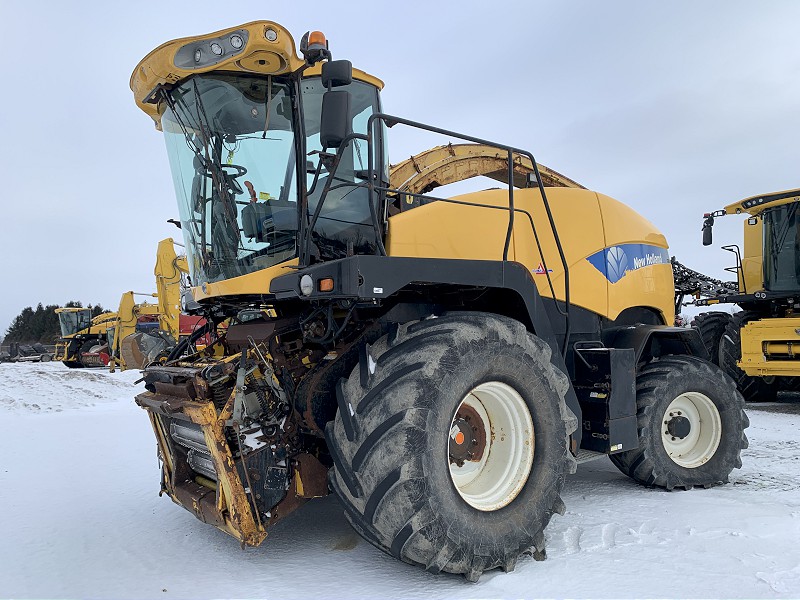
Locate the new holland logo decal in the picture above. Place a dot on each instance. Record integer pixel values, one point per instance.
(615, 262)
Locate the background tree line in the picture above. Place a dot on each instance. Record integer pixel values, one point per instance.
(40, 324)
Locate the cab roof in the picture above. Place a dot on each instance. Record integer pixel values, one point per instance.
(755, 205)
(258, 47)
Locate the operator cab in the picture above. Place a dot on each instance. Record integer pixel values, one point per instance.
(73, 320)
(247, 156)
(769, 260)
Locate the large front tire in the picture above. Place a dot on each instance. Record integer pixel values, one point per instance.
(403, 412)
(691, 423)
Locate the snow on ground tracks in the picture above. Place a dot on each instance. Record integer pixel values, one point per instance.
(81, 517)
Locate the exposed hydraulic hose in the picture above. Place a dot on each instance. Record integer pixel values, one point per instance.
(178, 350)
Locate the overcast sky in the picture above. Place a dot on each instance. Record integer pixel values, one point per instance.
(674, 108)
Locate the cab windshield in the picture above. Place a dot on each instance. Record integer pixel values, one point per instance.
(73, 321)
(782, 248)
(232, 148)
(231, 145)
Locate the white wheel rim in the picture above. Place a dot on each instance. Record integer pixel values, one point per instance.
(494, 480)
(702, 441)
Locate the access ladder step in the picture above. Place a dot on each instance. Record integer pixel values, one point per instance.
(584, 456)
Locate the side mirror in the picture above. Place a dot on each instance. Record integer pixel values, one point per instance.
(336, 73)
(708, 224)
(335, 121)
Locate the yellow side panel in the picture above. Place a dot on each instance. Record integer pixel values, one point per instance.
(443, 230)
(771, 347)
(753, 256)
(576, 213)
(587, 223)
(652, 285)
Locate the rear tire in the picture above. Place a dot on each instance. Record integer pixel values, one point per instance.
(691, 423)
(754, 389)
(392, 443)
(711, 326)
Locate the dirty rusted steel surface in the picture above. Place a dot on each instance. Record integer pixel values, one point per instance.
(241, 516)
(477, 443)
(457, 162)
(310, 480)
(312, 477)
(228, 507)
(240, 496)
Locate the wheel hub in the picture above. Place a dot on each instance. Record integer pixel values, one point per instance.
(679, 426)
(467, 436)
(692, 429)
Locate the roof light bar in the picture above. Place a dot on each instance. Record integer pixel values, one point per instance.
(208, 52)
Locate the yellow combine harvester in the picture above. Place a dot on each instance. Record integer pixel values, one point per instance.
(441, 363)
(82, 336)
(760, 346)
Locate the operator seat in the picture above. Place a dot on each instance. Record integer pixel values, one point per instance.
(273, 222)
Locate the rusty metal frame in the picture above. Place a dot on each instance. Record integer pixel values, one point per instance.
(450, 163)
(233, 512)
(231, 509)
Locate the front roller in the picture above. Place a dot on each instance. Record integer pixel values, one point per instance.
(450, 444)
(691, 424)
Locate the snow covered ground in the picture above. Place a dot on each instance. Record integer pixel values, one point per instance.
(80, 516)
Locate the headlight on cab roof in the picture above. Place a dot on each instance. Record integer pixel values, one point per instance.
(210, 51)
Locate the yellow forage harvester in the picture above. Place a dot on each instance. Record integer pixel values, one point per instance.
(439, 363)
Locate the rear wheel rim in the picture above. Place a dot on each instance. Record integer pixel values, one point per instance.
(700, 444)
(502, 444)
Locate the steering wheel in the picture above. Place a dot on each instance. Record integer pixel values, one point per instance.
(240, 170)
(230, 178)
